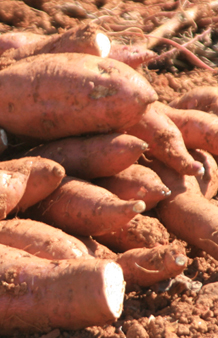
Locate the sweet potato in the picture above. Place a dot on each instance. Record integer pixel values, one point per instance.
(134, 182)
(83, 39)
(145, 267)
(204, 98)
(141, 231)
(198, 128)
(12, 188)
(94, 156)
(165, 140)
(187, 213)
(18, 39)
(71, 94)
(81, 208)
(209, 181)
(42, 240)
(38, 295)
(132, 55)
(44, 176)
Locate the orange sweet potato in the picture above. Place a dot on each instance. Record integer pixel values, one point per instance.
(136, 182)
(165, 140)
(81, 208)
(145, 267)
(93, 156)
(79, 39)
(198, 128)
(141, 231)
(187, 213)
(203, 98)
(41, 240)
(44, 176)
(68, 94)
(38, 294)
(132, 55)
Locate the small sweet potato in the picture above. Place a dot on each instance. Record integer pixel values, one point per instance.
(132, 55)
(41, 240)
(136, 182)
(92, 156)
(165, 140)
(204, 98)
(141, 231)
(44, 176)
(145, 267)
(38, 295)
(67, 94)
(187, 213)
(81, 208)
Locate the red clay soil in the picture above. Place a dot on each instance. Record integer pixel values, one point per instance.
(186, 306)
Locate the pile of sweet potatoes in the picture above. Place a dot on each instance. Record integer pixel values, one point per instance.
(105, 174)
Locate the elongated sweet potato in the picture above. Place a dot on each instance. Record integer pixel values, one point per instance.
(165, 140)
(81, 208)
(90, 157)
(41, 240)
(187, 213)
(132, 55)
(38, 295)
(145, 267)
(141, 231)
(44, 176)
(136, 182)
(71, 94)
(83, 39)
(198, 128)
(204, 98)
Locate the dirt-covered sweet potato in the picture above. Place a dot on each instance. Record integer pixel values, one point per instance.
(38, 295)
(44, 176)
(136, 182)
(92, 156)
(165, 140)
(50, 96)
(141, 231)
(81, 208)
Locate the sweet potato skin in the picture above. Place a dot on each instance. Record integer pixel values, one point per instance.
(38, 295)
(94, 156)
(41, 240)
(164, 139)
(134, 182)
(84, 209)
(71, 94)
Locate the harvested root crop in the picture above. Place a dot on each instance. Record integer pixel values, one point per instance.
(81, 208)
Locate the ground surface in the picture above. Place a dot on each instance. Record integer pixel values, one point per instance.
(181, 308)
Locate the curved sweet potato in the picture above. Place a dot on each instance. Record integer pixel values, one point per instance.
(41, 240)
(136, 182)
(141, 231)
(145, 267)
(38, 295)
(204, 98)
(71, 94)
(199, 129)
(165, 140)
(187, 213)
(44, 176)
(81, 208)
(93, 156)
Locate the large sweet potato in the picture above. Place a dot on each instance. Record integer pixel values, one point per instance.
(93, 156)
(81, 208)
(50, 96)
(38, 294)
